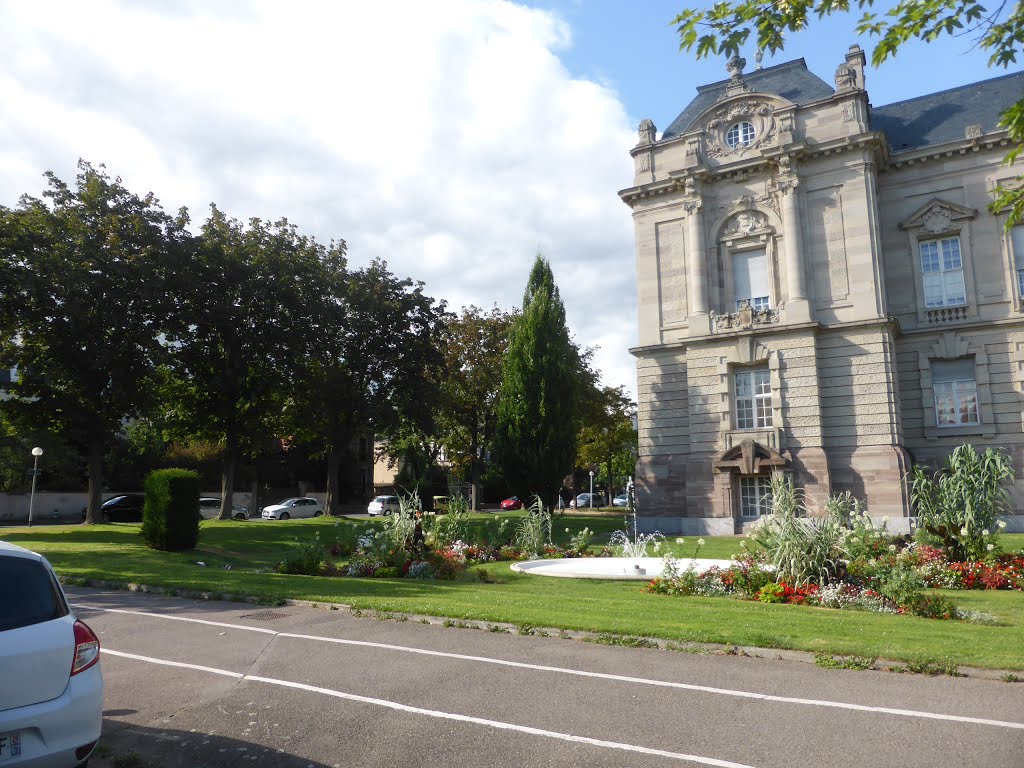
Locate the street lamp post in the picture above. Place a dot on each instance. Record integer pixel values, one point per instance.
(36, 453)
(591, 489)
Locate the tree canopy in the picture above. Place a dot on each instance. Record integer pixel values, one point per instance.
(726, 26)
(535, 440)
(83, 274)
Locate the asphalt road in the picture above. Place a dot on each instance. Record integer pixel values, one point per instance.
(220, 684)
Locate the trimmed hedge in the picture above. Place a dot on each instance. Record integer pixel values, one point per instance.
(170, 516)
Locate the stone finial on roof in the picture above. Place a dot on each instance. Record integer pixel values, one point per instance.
(853, 69)
(647, 131)
(758, 55)
(735, 67)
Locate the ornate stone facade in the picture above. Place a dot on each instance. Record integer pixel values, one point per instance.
(821, 291)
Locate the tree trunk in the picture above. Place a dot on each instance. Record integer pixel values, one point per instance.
(95, 465)
(227, 477)
(333, 490)
(474, 473)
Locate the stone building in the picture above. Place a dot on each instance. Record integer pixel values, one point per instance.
(822, 289)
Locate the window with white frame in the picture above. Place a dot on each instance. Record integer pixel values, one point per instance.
(956, 392)
(740, 135)
(750, 279)
(942, 272)
(1017, 241)
(753, 398)
(755, 496)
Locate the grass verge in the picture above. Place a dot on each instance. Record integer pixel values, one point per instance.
(237, 556)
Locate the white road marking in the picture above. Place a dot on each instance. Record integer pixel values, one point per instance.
(166, 663)
(583, 673)
(442, 715)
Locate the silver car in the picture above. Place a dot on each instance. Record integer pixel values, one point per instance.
(209, 508)
(383, 505)
(51, 697)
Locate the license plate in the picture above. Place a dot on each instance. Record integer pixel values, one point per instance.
(10, 745)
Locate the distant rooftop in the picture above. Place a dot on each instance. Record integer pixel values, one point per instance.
(944, 116)
(791, 80)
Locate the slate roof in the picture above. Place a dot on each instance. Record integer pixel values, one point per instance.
(790, 80)
(943, 116)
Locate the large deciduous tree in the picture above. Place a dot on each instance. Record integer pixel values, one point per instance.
(725, 26)
(83, 276)
(476, 343)
(535, 439)
(377, 352)
(245, 332)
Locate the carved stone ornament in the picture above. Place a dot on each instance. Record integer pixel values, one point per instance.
(973, 131)
(643, 162)
(937, 220)
(747, 222)
(758, 113)
(846, 77)
(743, 318)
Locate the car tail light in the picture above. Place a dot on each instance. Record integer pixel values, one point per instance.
(87, 648)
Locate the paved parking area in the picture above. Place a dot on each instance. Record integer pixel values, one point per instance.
(221, 684)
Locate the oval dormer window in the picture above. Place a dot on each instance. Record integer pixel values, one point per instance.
(740, 135)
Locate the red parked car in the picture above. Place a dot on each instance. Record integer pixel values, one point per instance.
(512, 502)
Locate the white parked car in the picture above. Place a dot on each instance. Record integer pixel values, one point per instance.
(584, 501)
(51, 697)
(289, 508)
(383, 505)
(620, 501)
(209, 509)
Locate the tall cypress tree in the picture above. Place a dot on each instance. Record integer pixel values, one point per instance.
(535, 440)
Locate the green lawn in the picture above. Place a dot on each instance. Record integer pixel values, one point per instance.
(115, 552)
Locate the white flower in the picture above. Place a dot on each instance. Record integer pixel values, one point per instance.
(985, 532)
(743, 545)
(700, 542)
(680, 541)
(1001, 523)
(885, 519)
(566, 530)
(892, 547)
(990, 547)
(963, 531)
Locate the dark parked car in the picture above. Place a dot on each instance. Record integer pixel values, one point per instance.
(122, 509)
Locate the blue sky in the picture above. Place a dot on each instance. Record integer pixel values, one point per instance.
(635, 49)
(456, 139)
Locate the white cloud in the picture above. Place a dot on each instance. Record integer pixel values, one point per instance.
(446, 137)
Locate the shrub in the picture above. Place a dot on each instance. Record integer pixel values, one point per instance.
(901, 585)
(958, 508)
(534, 529)
(387, 572)
(420, 569)
(305, 559)
(801, 550)
(170, 516)
(453, 526)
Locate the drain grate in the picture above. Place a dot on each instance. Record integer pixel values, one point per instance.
(264, 616)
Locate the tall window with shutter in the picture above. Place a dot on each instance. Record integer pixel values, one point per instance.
(750, 279)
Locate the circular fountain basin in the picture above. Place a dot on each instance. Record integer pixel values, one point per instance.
(645, 568)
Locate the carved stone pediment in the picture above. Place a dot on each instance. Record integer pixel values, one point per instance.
(749, 458)
(758, 111)
(938, 217)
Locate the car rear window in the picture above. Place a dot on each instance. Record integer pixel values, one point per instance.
(28, 594)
